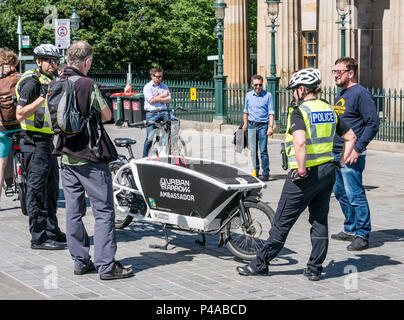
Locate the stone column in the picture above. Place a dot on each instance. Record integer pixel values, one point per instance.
(286, 40)
(329, 39)
(236, 61)
(393, 45)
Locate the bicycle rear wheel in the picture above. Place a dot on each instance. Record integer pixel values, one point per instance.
(243, 242)
(22, 195)
(19, 182)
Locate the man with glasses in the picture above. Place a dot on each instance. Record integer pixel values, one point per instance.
(41, 168)
(356, 106)
(156, 95)
(259, 121)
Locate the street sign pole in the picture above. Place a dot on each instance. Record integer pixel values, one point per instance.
(19, 33)
(62, 33)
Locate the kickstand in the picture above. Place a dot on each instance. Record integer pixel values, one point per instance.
(203, 242)
(164, 247)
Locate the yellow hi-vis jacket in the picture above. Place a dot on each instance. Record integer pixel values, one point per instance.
(28, 124)
(321, 123)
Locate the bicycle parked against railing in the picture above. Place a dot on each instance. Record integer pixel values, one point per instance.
(166, 140)
(17, 184)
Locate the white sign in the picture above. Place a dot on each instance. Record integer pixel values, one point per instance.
(62, 33)
(25, 42)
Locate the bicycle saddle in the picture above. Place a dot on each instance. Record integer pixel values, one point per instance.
(124, 142)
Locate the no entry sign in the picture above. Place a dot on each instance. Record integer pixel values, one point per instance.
(62, 33)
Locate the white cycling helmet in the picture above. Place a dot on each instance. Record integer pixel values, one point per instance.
(310, 78)
(46, 50)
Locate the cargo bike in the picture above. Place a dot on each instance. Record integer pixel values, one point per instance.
(195, 195)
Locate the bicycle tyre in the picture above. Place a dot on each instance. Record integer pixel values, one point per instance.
(182, 147)
(22, 195)
(245, 246)
(19, 183)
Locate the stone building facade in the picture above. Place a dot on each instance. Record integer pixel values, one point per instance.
(309, 36)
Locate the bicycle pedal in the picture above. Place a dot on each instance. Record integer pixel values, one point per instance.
(9, 193)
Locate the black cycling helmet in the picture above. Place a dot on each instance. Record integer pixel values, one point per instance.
(46, 50)
(310, 78)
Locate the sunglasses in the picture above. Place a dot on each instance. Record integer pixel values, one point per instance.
(158, 77)
(257, 85)
(51, 60)
(339, 72)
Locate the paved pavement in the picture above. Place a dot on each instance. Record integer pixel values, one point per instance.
(188, 271)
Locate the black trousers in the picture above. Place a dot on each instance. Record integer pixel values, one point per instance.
(314, 193)
(42, 177)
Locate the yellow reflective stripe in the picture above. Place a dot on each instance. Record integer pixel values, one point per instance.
(29, 123)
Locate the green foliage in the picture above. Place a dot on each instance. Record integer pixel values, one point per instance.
(172, 34)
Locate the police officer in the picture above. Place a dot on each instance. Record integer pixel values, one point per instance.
(312, 124)
(41, 168)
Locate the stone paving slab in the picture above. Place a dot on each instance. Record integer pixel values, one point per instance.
(187, 271)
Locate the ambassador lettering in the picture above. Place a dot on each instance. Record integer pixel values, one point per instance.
(322, 117)
(177, 196)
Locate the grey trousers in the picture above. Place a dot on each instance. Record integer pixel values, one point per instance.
(95, 180)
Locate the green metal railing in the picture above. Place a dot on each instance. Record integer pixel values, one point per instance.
(201, 105)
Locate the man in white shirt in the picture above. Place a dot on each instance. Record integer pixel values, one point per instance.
(156, 95)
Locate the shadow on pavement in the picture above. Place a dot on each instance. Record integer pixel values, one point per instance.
(380, 237)
(359, 263)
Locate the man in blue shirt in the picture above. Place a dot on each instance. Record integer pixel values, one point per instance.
(156, 95)
(259, 121)
(355, 105)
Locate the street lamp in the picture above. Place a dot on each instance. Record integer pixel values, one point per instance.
(220, 80)
(273, 80)
(343, 11)
(74, 23)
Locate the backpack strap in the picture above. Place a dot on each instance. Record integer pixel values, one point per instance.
(74, 78)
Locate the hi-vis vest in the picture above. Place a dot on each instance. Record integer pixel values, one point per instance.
(28, 124)
(321, 123)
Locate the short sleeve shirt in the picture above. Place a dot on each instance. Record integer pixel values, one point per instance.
(259, 107)
(150, 90)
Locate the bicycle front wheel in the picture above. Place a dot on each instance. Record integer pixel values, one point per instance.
(244, 242)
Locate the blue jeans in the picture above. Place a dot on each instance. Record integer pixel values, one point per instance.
(257, 135)
(350, 193)
(159, 116)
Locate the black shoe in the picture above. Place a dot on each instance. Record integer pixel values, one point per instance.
(264, 178)
(248, 271)
(117, 272)
(358, 244)
(48, 245)
(60, 237)
(90, 267)
(311, 275)
(342, 236)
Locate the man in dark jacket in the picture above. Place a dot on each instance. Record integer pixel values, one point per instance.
(83, 172)
(356, 106)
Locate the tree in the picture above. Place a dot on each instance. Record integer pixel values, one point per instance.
(172, 34)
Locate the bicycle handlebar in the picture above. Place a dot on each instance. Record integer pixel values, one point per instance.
(168, 110)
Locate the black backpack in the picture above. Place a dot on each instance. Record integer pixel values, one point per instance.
(61, 108)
